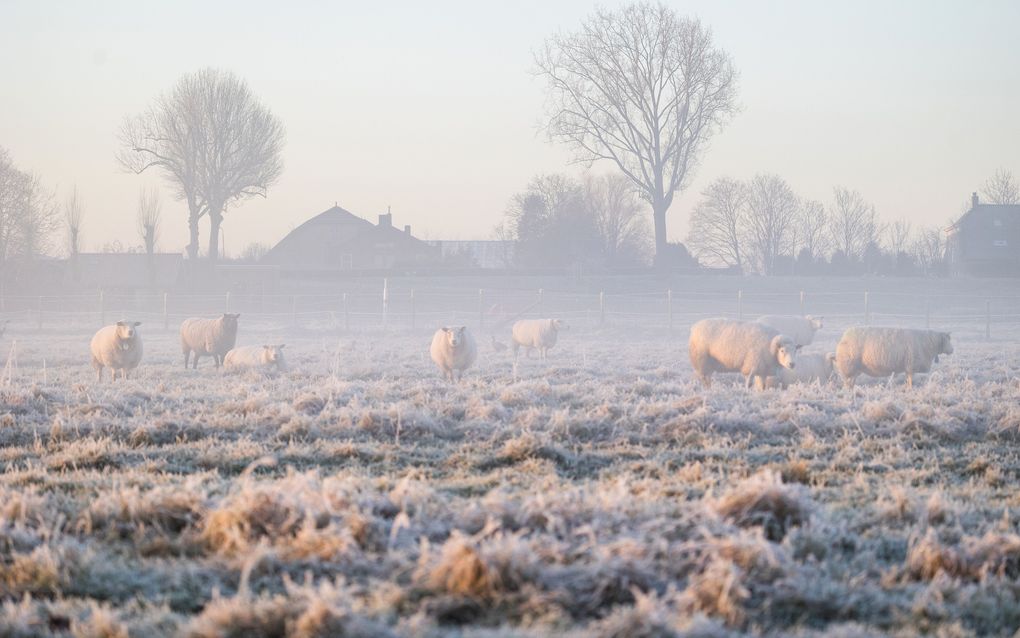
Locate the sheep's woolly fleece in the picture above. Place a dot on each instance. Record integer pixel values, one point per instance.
(601, 493)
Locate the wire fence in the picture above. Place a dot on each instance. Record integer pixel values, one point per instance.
(403, 307)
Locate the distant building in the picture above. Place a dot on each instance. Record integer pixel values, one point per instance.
(985, 240)
(124, 271)
(338, 241)
(483, 253)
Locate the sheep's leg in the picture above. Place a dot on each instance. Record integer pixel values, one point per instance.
(99, 373)
(748, 380)
(910, 379)
(187, 355)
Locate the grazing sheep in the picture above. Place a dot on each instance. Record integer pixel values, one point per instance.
(801, 329)
(537, 334)
(810, 368)
(263, 358)
(752, 349)
(117, 347)
(880, 352)
(454, 350)
(208, 337)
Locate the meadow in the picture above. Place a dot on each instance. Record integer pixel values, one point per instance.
(600, 493)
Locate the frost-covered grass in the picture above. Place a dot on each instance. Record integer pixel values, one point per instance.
(602, 493)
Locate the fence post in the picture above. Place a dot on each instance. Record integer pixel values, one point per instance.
(988, 319)
(740, 305)
(801, 303)
(347, 315)
(602, 308)
(38, 313)
(412, 310)
(293, 310)
(669, 308)
(867, 309)
(227, 302)
(102, 308)
(540, 295)
(166, 316)
(385, 300)
(481, 308)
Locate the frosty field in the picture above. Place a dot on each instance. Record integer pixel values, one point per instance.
(601, 493)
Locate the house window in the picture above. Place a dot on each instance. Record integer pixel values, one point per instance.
(999, 242)
(997, 222)
(346, 262)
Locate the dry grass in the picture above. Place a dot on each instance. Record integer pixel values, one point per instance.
(601, 494)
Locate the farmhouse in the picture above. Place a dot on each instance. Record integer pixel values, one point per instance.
(336, 241)
(986, 240)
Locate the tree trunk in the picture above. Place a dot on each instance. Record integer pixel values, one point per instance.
(661, 248)
(215, 219)
(193, 229)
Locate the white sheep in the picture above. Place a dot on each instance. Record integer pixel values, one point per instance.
(453, 350)
(752, 349)
(208, 337)
(117, 347)
(266, 359)
(810, 368)
(880, 352)
(801, 329)
(536, 334)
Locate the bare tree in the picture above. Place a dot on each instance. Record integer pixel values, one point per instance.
(643, 88)
(28, 216)
(853, 223)
(929, 249)
(773, 210)
(214, 142)
(551, 224)
(1001, 188)
(619, 219)
(254, 251)
(813, 225)
(898, 236)
(149, 219)
(718, 223)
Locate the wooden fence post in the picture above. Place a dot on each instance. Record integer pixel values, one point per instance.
(102, 308)
(541, 294)
(602, 308)
(413, 321)
(988, 319)
(867, 310)
(227, 302)
(347, 315)
(481, 308)
(385, 300)
(669, 308)
(38, 313)
(802, 303)
(166, 315)
(740, 305)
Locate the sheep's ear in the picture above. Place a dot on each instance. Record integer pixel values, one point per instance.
(774, 344)
(137, 323)
(797, 349)
(121, 323)
(281, 346)
(445, 329)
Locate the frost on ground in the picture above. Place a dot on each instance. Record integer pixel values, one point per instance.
(600, 493)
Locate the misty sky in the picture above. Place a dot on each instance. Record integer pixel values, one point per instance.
(430, 107)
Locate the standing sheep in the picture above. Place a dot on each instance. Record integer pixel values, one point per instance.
(208, 337)
(117, 347)
(453, 350)
(810, 368)
(537, 334)
(880, 352)
(263, 358)
(752, 349)
(801, 329)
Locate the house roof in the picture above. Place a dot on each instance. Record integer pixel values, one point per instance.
(979, 211)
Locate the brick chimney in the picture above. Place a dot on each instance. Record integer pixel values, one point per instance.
(407, 229)
(385, 220)
(973, 200)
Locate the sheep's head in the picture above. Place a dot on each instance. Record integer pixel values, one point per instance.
(230, 320)
(945, 344)
(784, 350)
(273, 355)
(455, 335)
(126, 333)
(816, 322)
(558, 324)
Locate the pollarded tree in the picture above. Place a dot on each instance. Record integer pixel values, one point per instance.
(643, 88)
(214, 142)
(718, 224)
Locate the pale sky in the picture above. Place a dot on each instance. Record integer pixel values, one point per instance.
(430, 107)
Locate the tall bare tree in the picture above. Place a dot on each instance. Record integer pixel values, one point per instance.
(619, 219)
(929, 249)
(898, 236)
(214, 142)
(643, 88)
(813, 227)
(773, 210)
(718, 224)
(853, 223)
(1001, 188)
(28, 217)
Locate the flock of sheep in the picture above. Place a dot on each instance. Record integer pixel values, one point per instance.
(766, 352)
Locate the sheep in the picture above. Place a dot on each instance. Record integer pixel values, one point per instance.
(753, 349)
(879, 352)
(453, 350)
(810, 368)
(537, 334)
(801, 329)
(263, 358)
(208, 337)
(117, 347)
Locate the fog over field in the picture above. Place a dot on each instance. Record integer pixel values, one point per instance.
(635, 320)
